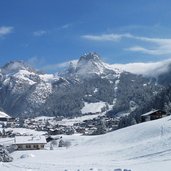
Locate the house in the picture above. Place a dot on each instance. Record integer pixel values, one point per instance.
(152, 115)
(30, 142)
(6, 120)
(5, 117)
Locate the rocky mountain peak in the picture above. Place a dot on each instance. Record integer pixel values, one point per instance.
(15, 66)
(90, 63)
(87, 65)
(90, 58)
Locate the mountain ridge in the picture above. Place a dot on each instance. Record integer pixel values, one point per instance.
(26, 92)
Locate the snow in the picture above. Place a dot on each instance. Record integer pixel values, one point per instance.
(70, 122)
(36, 139)
(93, 107)
(24, 75)
(44, 118)
(95, 90)
(133, 106)
(30, 140)
(13, 67)
(4, 115)
(24, 131)
(92, 64)
(142, 147)
(89, 67)
(114, 100)
(6, 141)
(26, 156)
(117, 82)
(114, 68)
(42, 90)
(150, 112)
(116, 85)
(48, 77)
(39, 96)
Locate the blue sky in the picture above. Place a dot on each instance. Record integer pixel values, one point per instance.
(49, 33)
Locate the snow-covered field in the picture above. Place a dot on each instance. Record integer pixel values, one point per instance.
(143, 147)
(80, 119)
(93, 107)
(23, 131)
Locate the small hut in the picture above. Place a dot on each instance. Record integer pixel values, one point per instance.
(6, 120)
(152, 115)
(5, 117)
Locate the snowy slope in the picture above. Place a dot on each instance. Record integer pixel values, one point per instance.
(93, 107)
(143, 147)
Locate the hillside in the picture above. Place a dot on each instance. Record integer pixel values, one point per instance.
(80, 89)
(140, 147)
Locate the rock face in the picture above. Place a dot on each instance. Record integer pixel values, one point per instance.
(26, 92)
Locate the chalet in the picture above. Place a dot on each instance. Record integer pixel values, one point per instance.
(5, 117)
(6, 120)
(152, 115)
(30, 142)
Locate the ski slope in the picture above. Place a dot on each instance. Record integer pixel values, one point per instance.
(142, 147)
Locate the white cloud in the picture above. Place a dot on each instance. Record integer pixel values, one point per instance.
(40, 33)
(162, 46)
(56, 67)
(106, 37)
(156, 51)
(4, 30)
(159, 46)
(147, 69)
(65, 26)
(36, 61)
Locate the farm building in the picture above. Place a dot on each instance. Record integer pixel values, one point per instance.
(30, 142)
(152, 115)
(5, 117)
(6, 120)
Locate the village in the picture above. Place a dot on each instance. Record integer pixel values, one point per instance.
(85, 125)
(36, 133)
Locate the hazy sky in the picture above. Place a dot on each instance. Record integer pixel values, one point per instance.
(52, 32)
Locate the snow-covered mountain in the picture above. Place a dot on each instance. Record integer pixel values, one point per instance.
(85, 86)
(15, 66)
(88, 66)
(23, 87)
